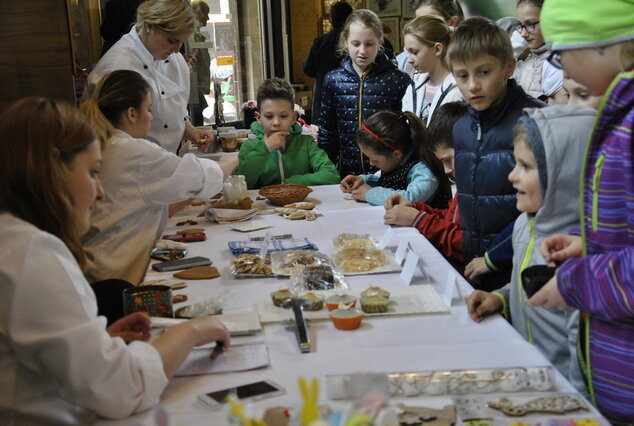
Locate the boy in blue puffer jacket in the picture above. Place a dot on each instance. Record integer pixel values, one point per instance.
(481, 59)
(366, 83)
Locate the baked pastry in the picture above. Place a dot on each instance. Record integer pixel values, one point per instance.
(251, 264)
(375, 291)
(198, 273)
(374, 304)
(354, 241)
(313, 301)
(303, 205)
(281, 296)
(355, 260)
(318, 277)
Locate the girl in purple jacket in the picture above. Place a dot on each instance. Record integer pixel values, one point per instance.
(597, 276)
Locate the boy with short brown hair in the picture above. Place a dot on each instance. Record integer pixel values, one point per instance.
(481, 59)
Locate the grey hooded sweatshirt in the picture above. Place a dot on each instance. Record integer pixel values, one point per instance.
(558, 136)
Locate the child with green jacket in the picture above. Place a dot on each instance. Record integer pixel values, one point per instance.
(280, 153)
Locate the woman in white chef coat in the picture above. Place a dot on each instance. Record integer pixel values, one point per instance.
(151, 48)
(58, 362)
(140, 179)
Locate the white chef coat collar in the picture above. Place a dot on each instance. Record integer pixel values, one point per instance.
(144, 53)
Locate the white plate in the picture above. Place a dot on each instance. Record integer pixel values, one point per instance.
(404, 300)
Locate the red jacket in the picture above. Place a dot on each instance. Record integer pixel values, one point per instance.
(442, 228)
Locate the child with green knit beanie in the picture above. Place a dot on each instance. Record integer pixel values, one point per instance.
(594, 44)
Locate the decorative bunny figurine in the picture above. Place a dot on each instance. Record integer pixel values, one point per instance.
(310, 410)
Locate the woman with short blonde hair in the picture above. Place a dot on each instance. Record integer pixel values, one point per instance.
(151, 48)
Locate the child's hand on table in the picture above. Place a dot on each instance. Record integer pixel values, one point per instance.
(481, 304)
(400, 214)
(276, 140)
(396, 199)
(358, 194)
(350, 183)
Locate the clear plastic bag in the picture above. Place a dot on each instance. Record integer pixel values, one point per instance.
(250, 266)
(287, 262)
(354, 241)
(356, 260)
(317, 277)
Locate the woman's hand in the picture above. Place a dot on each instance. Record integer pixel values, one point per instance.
(276, 140)
(200, 137)
(560, 247)
(177, 342)
(136, 326)
(481, 304)
(358, 194)
(209, 329)
(478, 266)
(548, 297)
(395, 200)
(350, 183)
(400, 214)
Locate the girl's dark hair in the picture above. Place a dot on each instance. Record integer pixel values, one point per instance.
(39, 139)
(405, 132)
(115, 93)
(448, 8)
(537, 3)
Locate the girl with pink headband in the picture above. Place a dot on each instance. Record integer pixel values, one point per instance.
(396, 143)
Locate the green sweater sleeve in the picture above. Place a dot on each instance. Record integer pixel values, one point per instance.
(319, 171)
(253, 156)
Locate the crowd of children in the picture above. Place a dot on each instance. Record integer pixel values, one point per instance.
(85, 195)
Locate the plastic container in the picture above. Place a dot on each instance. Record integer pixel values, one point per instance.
(228, 141)
(333, 302)
(346, 319)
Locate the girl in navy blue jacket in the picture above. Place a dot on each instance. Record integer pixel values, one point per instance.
(366, 83)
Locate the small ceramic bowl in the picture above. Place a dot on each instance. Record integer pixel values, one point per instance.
(346, 319)
(333, 302)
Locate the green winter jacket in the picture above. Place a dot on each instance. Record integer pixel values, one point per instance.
(303, 161)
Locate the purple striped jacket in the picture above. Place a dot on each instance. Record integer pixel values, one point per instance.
(601, 284)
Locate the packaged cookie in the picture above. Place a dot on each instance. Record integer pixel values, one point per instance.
(250, 266)
(317, 277)
(356, 260)
(354, 241)
(290, 261)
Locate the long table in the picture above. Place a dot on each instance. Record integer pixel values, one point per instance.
(386, 344)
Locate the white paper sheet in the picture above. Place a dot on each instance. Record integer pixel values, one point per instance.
(247, 356)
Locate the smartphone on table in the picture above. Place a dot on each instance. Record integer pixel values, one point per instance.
(188, 262)
(185, 237)
(243, 393)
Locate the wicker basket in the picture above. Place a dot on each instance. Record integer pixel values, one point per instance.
(283, 194)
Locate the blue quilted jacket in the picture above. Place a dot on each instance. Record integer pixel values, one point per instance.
(483, 143)
(347, 99)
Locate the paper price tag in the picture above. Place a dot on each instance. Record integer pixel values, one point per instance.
(402, 247)
(410, 267)
(386, 238)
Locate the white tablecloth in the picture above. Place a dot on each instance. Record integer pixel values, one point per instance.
(385, 344)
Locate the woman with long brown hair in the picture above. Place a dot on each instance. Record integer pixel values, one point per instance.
(58, 362)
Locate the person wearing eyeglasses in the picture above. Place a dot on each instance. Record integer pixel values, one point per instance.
(528, 72)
